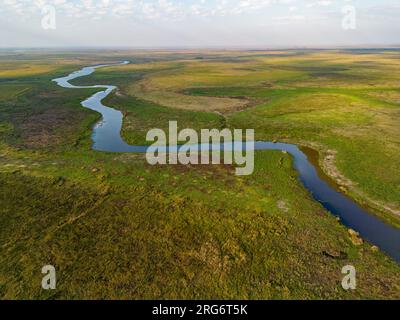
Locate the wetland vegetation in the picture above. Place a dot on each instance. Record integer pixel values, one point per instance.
(116, 227)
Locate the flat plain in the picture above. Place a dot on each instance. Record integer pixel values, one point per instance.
(118, 228)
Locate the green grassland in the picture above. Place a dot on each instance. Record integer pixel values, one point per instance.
(340, 104)
(117, 228)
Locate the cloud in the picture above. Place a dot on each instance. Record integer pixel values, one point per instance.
(151, 9)
(181, 22)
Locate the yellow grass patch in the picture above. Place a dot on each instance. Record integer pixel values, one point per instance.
(21, 70)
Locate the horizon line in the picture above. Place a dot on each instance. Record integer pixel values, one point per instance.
(171, 48)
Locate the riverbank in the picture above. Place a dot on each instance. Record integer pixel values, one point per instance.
(324, 160)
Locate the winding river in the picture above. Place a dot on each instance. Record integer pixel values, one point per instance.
(107, 138)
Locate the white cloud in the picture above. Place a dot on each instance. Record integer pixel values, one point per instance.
(200, 22)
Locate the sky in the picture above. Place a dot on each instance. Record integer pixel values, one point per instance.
(199, 23)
